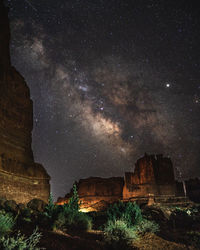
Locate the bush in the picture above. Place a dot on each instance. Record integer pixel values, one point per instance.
(66, 216)
(145, 226)
(49, 215)
(73, 220)
(81, 221)
(74, 202)
(99, 219)
(50, 207)
(129, 212)
(20, 242)
(6, 223)
(117, 235)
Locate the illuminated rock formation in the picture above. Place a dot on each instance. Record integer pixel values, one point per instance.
(21, 178)
(152, 181)
(94, 190)
(153, 175)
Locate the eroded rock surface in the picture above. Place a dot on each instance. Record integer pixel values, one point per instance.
(153, 178)
(94, 192)
(153, 175)
(21, 179)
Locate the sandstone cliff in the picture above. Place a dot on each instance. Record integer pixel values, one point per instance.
(96, 192)
(21, 178)
(153, 175)
(153, 178)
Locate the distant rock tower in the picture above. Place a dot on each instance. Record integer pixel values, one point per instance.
(21, 178)
(153, 175)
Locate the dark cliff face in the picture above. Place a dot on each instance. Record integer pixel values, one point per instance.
(193, 189)
(4, 40)
(20, 177)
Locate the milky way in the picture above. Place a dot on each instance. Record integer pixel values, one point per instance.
(110, 80)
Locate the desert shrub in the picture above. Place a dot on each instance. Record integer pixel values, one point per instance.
(6, 223)
(20, 242)
(74, 202)
(117, 235)
(66, 216)
(52, 210)
(145, 226)
(73, 220)
(99, 219)
(80, 221)
(47, 217)
(59, 222)
(50, 207)
(129, 212)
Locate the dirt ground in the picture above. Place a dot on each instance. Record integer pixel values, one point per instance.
(93, 241)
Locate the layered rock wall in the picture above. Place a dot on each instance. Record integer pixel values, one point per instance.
(97, 192)
(21, 178)
(153, 175)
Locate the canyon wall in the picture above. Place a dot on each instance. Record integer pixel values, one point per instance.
(153, 176)
(21, 178)
(97, 192)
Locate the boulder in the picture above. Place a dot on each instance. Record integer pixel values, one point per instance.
(21, 206)
(2, 201)
(182, 219)
(37, 205)
(11, 206)
(156, 214)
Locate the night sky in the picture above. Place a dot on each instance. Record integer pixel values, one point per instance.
(110, 80)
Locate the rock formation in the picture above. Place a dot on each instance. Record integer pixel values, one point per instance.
(153, 175)
(192, 187)
(92, 191)
(153, 178)
(21, 178)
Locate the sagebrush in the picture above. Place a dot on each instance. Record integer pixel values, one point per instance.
(129, 212)
(117, 235)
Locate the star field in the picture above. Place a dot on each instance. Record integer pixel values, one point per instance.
(110, 80)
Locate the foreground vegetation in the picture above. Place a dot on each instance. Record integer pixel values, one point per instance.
(122, 225)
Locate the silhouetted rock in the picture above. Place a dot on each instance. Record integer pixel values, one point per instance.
(37, 205)
(4, 41)
(180, 219)
(21, 206)
(193, 189)
(11, 206)
(21, 178)
(2, 202)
